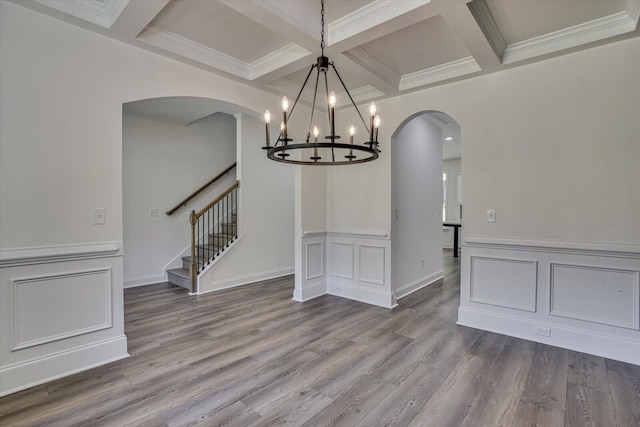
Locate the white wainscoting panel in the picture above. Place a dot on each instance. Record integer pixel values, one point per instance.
(342, 260)
(601, 295)
(61, 312)
(311, 275)
(371, 268)
(44, 312)
(315, 260)
(504, 282)
(359, 267)
(580, 296)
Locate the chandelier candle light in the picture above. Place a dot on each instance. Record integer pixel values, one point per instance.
(330, 149)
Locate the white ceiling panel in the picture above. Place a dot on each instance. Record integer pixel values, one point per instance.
(424, 45)
(219, 27)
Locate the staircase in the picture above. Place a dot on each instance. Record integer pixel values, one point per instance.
(206, 253)
(213, 229)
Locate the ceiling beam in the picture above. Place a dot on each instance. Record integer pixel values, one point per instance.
(368, 68)
(135, 18)
(289, 19)
(478, 33)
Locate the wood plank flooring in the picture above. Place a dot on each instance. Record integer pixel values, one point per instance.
(252, 357)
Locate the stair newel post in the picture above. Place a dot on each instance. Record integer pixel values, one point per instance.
(193, 219)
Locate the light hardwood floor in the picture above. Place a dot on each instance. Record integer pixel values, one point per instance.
(252, 357)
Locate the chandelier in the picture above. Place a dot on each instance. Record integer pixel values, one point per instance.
(327, 151)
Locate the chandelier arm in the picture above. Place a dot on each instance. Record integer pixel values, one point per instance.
(349, 95)
(313, 105)
(301, 89)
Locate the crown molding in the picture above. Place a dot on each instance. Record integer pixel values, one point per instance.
(364, 59)
(488, 25)
(103, 15)
(632, 8)
(277, 59)
(368, 17)
(439, 73)
(174, 43)
(361, 94)
(598, 29)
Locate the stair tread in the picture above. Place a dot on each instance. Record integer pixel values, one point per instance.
(182, 272)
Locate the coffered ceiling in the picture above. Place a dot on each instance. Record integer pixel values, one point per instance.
(381, 47)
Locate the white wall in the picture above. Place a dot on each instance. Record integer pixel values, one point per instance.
(417, 204)
(61, 156)
(531, 135)
(162, 163)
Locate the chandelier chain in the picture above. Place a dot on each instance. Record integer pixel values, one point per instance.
(322, 24)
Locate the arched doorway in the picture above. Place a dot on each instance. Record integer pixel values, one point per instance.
(171, 146)
(418, 149)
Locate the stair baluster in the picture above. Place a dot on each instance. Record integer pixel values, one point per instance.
(213, 229)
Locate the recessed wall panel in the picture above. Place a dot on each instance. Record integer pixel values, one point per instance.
(504, 282)
(342, 260)
(601, 295)
(371, 264)
(54, 307)
(315, 260)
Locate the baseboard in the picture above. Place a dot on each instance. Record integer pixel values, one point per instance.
(624, 350)
(416, 285)
(377, 297)
(134, 282)
(310, 291)
(24, 375)
(248, 279)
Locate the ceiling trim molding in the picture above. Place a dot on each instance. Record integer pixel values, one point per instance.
(368, 17)
(174, 43)
(364, 59)
(361, 94)
(598, 29)
(277, 59)
(633, 9)
(487, 24)
(439, 73)
(102, 15)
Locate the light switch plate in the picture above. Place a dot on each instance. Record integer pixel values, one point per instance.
(99, 216)
(491, 215)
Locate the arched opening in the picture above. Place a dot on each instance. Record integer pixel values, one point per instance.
(171, 146)
(425, 149)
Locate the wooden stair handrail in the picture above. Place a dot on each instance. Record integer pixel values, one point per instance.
(195, 193)
(195, 215)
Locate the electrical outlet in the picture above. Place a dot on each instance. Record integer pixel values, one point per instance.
(153, 211)
(491, 215)
(338, 289)
(99, 216)
(539, 330)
